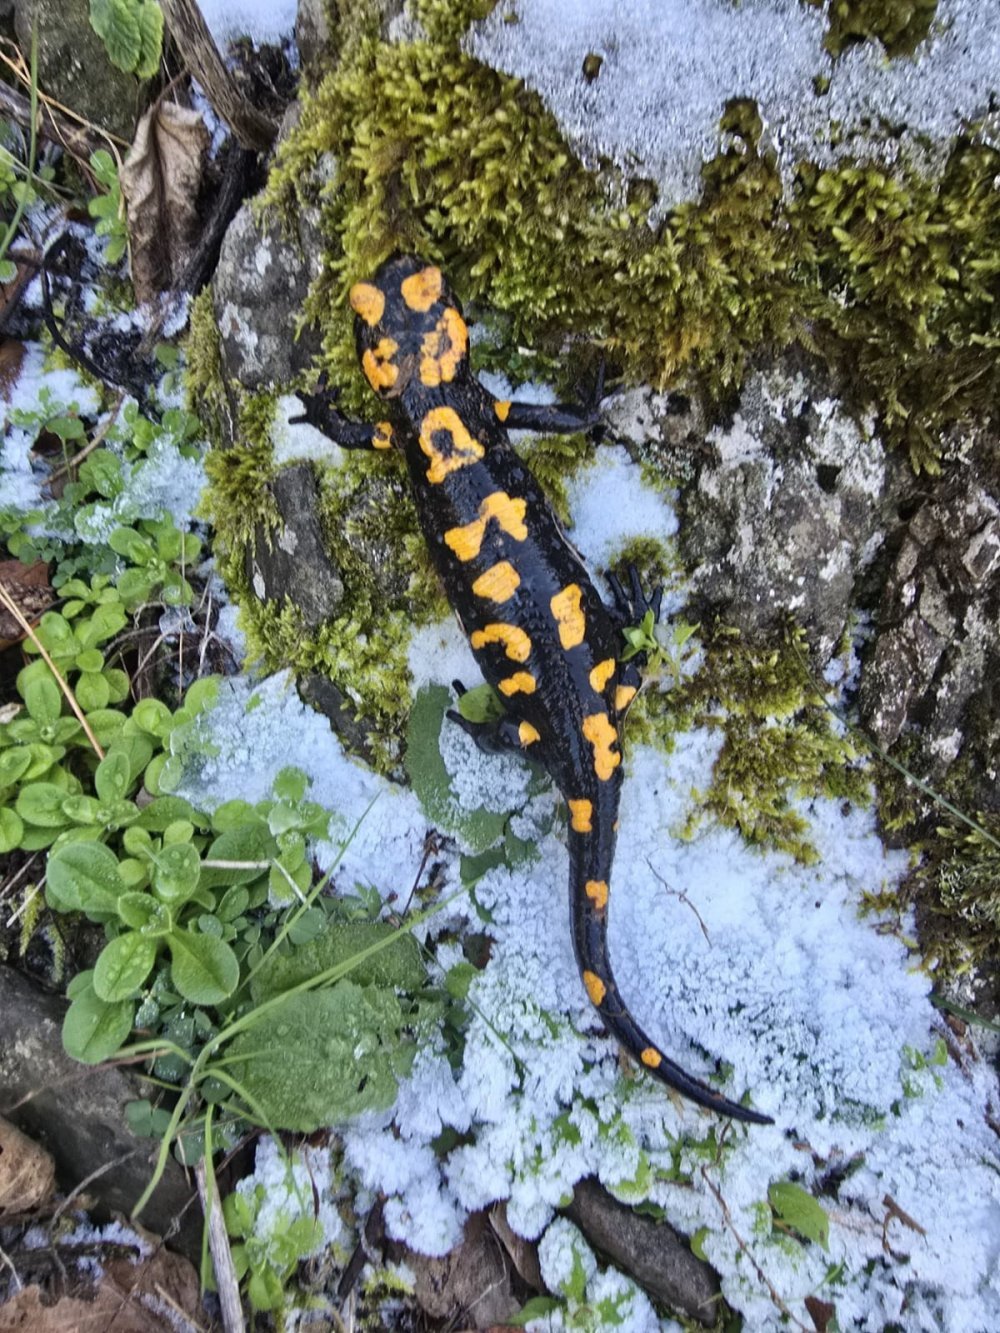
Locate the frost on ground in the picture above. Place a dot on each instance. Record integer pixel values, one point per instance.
(731, 958)
(670, 66)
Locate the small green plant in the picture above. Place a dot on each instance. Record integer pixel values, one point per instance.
(153, 552)
(132, 32)
(109, 208)
(267, 1259)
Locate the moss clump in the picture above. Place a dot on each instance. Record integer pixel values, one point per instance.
(900, 25)
(554, 459)
(780, 743)
(203, 378)
(893, 277)
(238, 499)
(448, 20)
(958, 888)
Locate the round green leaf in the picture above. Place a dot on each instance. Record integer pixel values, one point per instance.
(152, 715)
(204, 970)
(92, 691)
(139, 910)
(83, 876)
(123, 966)
(43, 699)
(41, 804)
(94, 1029)
(82, 809)
(176, 871)
(113, 776)
(91, 659)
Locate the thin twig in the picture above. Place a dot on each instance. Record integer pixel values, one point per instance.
(16, 612)
(745, 1248)
(98, 439)
(222, 1256)
(28, 898)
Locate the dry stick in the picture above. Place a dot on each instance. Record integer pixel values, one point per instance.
(222, 1257)
(771, 1289)
(250, 126)
(98, 438)
(16, 612)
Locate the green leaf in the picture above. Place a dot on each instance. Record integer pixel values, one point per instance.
(398, 966)
(113, 776)
(83, 876)
(481, 704)
(204, 970)
(137, 750)
(43, 699)
(698, 1244)
(249, 843)
(152, 715)
(164, 811)
(150, 18)
(14, 763)
(139, 911)
(82, 809)
(290, 785)
(799, 1210)
(92, 691)
(116, 23)
(176, 872)
(479, 829)
(123, 966)
(238, 1214)
(91, 659)
(94, 1029)
(319, 1058)
(41, 803)
(135, 585)
(132, 546)
(11, 830)
(537, 1308)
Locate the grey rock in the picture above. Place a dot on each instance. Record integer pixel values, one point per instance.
(937, 652)
(312, 29)
(651, 1251)
(258, 293)
(785, 510)
(77, 1112)
(292, 562)
(73, 64)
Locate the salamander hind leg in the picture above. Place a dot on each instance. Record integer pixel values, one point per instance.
(500, 735)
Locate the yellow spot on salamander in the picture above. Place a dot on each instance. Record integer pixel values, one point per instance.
(508, 513)
(596, 988)
(651, 1057)
(460, 449)
(597, 892)
(443, 349)
(569, 615)
(422, 289)
(521, 682)
(601, 674)
(382, 438)
(600, 731)
(581, 814)
(502, 408)
(499, 583)
(623, 697)
(378, 365)
(516, 643)
(368, 302)
(527, 733)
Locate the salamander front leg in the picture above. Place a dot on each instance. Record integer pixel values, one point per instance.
(500, 735)
(556, 418)
(320, 411)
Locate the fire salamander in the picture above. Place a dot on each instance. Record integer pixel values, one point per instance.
(538, 628)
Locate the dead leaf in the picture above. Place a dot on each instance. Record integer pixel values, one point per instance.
(820, 1312)
(11, 356)
(28, 588)
(160, 181)
(27, 1172)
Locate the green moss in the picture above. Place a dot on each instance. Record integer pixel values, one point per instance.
(900, 25)
(203, 380)
(448, 20)
(893, 277)
(238, 498)
(554, 459)
(957, 886)
(779, 744)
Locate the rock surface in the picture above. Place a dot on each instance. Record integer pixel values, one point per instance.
(77, 1112)
(651, 1251)
(73, 65)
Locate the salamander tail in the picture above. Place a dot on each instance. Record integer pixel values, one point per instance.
(589, 903)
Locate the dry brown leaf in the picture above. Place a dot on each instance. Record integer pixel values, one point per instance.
(28, 587)
(160, 181)
(152, 1296)
(11, 356)
(27, 1172)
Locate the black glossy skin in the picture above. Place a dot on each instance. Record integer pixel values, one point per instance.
(412, 344)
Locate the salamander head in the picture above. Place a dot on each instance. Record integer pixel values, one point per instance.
(409, 328)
